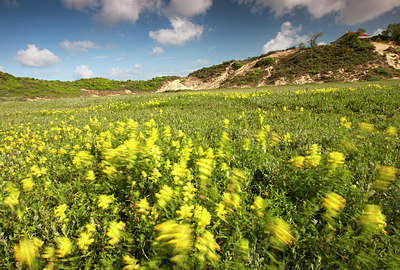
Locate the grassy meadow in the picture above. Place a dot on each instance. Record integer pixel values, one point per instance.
(290, 177)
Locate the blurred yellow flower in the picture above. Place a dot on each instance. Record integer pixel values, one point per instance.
(336, 158)
(202, 215)
(281, 229)
(186, 211)
(84, 240)
(131, 263)
(207, 247)
(366, 126)
(105, 200)
(60, 211)
(114, 231)
(386, 175)
(372, 219)
(391, 131)
(64, 247)
(26, 251)
(297, 161)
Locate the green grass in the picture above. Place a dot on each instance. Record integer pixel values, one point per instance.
(248, 152)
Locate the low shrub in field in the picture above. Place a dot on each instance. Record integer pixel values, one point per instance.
(78, 190)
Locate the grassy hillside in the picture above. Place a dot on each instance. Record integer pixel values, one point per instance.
(349, 59)
(17, 87)
(256, 179)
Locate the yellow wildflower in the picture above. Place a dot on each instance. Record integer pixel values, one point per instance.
(297, 161)
(344, 123)
(366, 126)
(60, 211)
(207, 247)
(90, 175)
(165, 195)
(258, 205)
(64, 246)
(336, 158)
(391, 131)
(386, 175)
(131, 263)
(49, 253)
(105, 200)
(179, 236)
(281, 229)
(114, 231)
(287, 138)
(186, 211)
(144, 206)
(373, 219)
(226, 123)
(221, 212)
(333, 203)
(28, 183)
(12, 199)
(27, 251)
(84, 240)
(203, 216)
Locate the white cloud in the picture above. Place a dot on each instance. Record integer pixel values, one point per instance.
(200, 62)
(357, 11)
(33, 57)
(83, 72)
(321, 43)
(115, 11)
(347, 11)
(77, 46)
(287, 37)
(189, 8)
(378, 31)
(1, 69)
(182, 32)
(157, 50)
(100, 57)
(115, 73)
(80, 4)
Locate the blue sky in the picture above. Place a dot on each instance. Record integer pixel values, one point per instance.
(142, 39)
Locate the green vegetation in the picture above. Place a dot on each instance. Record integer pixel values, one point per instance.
(210, 72)
(324, 59)
(16, 87)
(149, 85)
(277, 178)
(97, 84)
(237, 65)
(265, 62)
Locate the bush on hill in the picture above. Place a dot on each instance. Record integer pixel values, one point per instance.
(210, 72)
(149, 85)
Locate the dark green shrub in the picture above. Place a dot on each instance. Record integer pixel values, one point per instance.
(268, 61)
(372, 77)
(383, 71)
(313, 72)
(237, 65)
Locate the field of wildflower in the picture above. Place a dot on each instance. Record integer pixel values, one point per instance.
(288, 179)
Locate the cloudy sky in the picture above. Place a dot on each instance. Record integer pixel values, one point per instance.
(141, 39)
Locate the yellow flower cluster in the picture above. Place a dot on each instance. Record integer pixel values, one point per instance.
(282, 231)
(336, 159)
(179, 236)
(373, 220)
(115, 231)
(386, 176)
